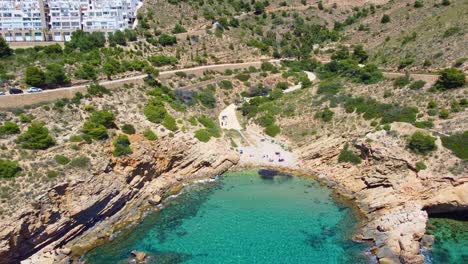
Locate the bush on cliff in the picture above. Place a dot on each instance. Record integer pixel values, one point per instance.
(97, 124)
(9, 128)
(458, 144)
(36, 137)
(203, 135)
(121, 146)
(421, 143)
(8, 169)
(347, 155)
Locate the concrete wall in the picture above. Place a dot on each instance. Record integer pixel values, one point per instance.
(21, 100)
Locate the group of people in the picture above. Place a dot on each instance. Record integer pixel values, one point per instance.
(224, 121)
(272, 158)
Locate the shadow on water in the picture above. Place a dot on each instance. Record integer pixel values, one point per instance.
(271, 175)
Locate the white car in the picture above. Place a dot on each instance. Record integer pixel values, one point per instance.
(34, 90)
(2, 93)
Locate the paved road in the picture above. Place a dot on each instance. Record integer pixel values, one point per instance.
(20, 100)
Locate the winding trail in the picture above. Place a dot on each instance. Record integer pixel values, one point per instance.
(261, 149)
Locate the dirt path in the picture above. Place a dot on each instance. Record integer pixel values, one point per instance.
(261, 150)
(311, 77)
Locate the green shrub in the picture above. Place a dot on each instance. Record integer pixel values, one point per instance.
(102, 117)
(424, 124)
(169, 122)
(458, 144)
(347, 155)
(405, 63)
(420, 166)
(178, 28)
(203, 135)
(282, 85)
(121, 146)
(444, 113)
(325, 115)
(401, 81)
(36, 137)
(207, 98)
(370, 108)
(421, 143)
(97, 124)
(9, 128)
(329, 87)
(167, 40)
(34, 76)
(24, 118)
(225, 84)
(150, 135)
(385, 19)
(272, 130)
(267, 66)
(96, 89)
(61, 159)
(452, 31)
(128, 129)
(416, 85)
(450, 78)
(8, 169)
(52, 174)
(243, 77)
(94, 130)
(418, 4)
(266, 120)
(75, 138)
(161, 60)
(80, 162)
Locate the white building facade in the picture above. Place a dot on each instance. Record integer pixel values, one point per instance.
(55, 20)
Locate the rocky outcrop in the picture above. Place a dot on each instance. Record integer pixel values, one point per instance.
(111, 194)
(387, 188)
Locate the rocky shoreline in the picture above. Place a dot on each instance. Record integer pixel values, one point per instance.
(391, 196)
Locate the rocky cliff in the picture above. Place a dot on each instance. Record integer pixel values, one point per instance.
(109, 195)
(387, 188)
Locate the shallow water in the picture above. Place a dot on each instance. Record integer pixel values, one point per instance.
(451, 241)
(244, 217)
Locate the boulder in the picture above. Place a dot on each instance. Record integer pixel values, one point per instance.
(155, 200)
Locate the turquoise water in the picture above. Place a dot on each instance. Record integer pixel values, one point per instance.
(451, 241)
(244, 217)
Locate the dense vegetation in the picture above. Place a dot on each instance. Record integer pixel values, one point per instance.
(458, 144)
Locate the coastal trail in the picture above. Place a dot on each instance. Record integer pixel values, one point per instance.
(259, 149)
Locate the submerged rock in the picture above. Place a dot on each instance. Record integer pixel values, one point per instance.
(140, 256)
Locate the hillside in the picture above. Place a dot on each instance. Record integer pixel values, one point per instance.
(328, 84)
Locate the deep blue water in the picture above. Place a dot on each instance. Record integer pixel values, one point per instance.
(244, 217)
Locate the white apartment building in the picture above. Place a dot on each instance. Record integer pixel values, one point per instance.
(22, 20)
(55, 20)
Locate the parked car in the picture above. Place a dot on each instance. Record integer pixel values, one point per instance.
(2, 93)
(15, 91)
(34, 90)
